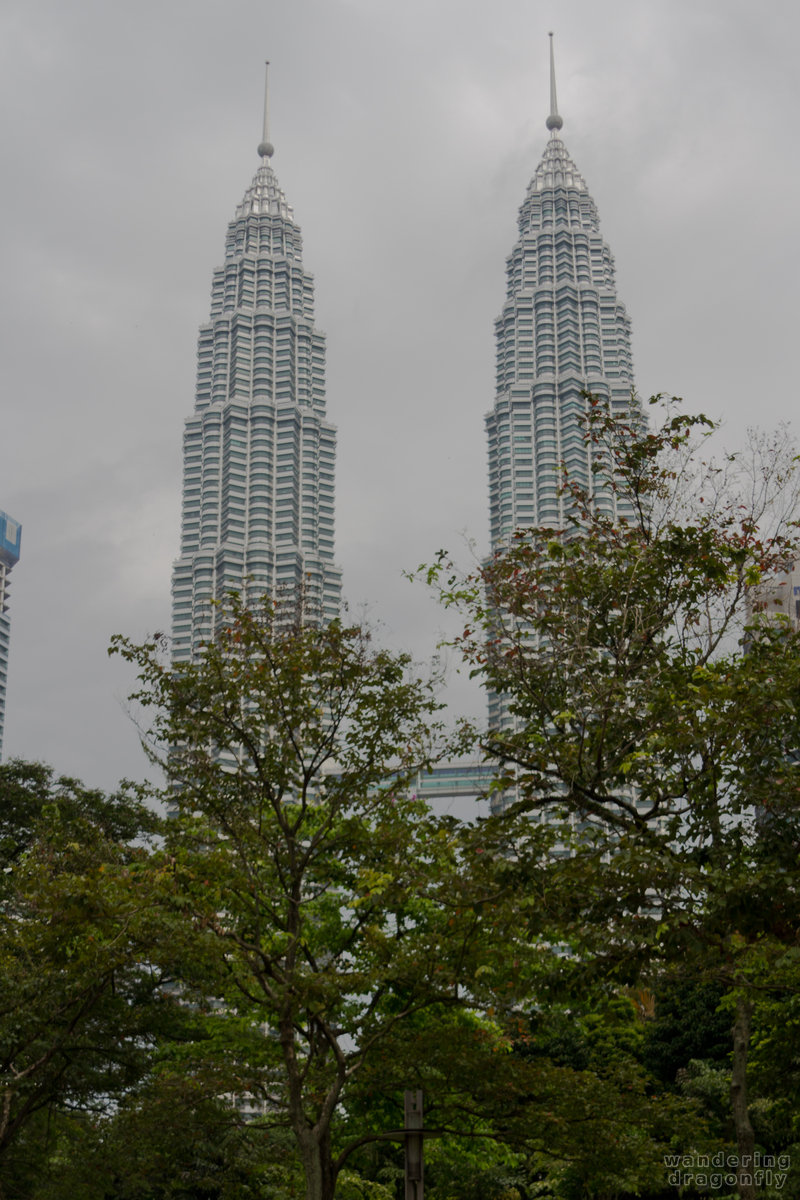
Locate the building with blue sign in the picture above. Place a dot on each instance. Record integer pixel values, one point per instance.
(10, 542)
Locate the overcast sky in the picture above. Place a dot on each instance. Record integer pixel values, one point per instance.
(405, 135)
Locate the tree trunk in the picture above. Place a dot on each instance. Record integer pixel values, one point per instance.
(315, 1154)
(745, 1139)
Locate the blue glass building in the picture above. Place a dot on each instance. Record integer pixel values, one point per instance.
(10, 543)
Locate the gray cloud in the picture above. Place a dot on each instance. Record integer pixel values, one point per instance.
(405, 136)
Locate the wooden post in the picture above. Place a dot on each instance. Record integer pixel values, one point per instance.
(415, 1182)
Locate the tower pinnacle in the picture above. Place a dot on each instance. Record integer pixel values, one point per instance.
(265, 146)
(554, 121)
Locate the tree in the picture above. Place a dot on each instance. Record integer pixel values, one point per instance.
(170, 1140)
(324, 900)
(74, 986)
(34, 802)
(340, 942)
(654, 705)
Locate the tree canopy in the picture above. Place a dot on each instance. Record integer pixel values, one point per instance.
(325, 898)
(656, 706)
(595, 986)
(74, 982)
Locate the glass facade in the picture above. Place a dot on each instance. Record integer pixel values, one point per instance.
(10, 546)
(259, 452)
(562, 332)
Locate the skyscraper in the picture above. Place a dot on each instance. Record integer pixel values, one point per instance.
(258, 449)
(10, 541)
(562, 331)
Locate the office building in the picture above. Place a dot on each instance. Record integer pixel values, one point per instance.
(562, 332)
(258, 480)
(10, 542)
(777, 601)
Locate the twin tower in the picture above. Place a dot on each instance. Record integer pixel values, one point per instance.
(258, 482)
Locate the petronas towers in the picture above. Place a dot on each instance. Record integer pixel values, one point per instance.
(258, 490)
(562, 332)
(258, 450)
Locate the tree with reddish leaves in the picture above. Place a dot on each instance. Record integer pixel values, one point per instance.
(655, 703)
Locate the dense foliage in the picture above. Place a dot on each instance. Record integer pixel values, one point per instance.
(655, 705)
(597, 988)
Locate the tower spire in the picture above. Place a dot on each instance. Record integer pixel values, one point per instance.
(554, 121)
(265, 146)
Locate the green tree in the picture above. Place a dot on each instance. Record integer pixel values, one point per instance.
(340, 944)
(74, 986)
(169, 1139)
(638, 714)
(325, 902)
(503, 1116)
(33, 801)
